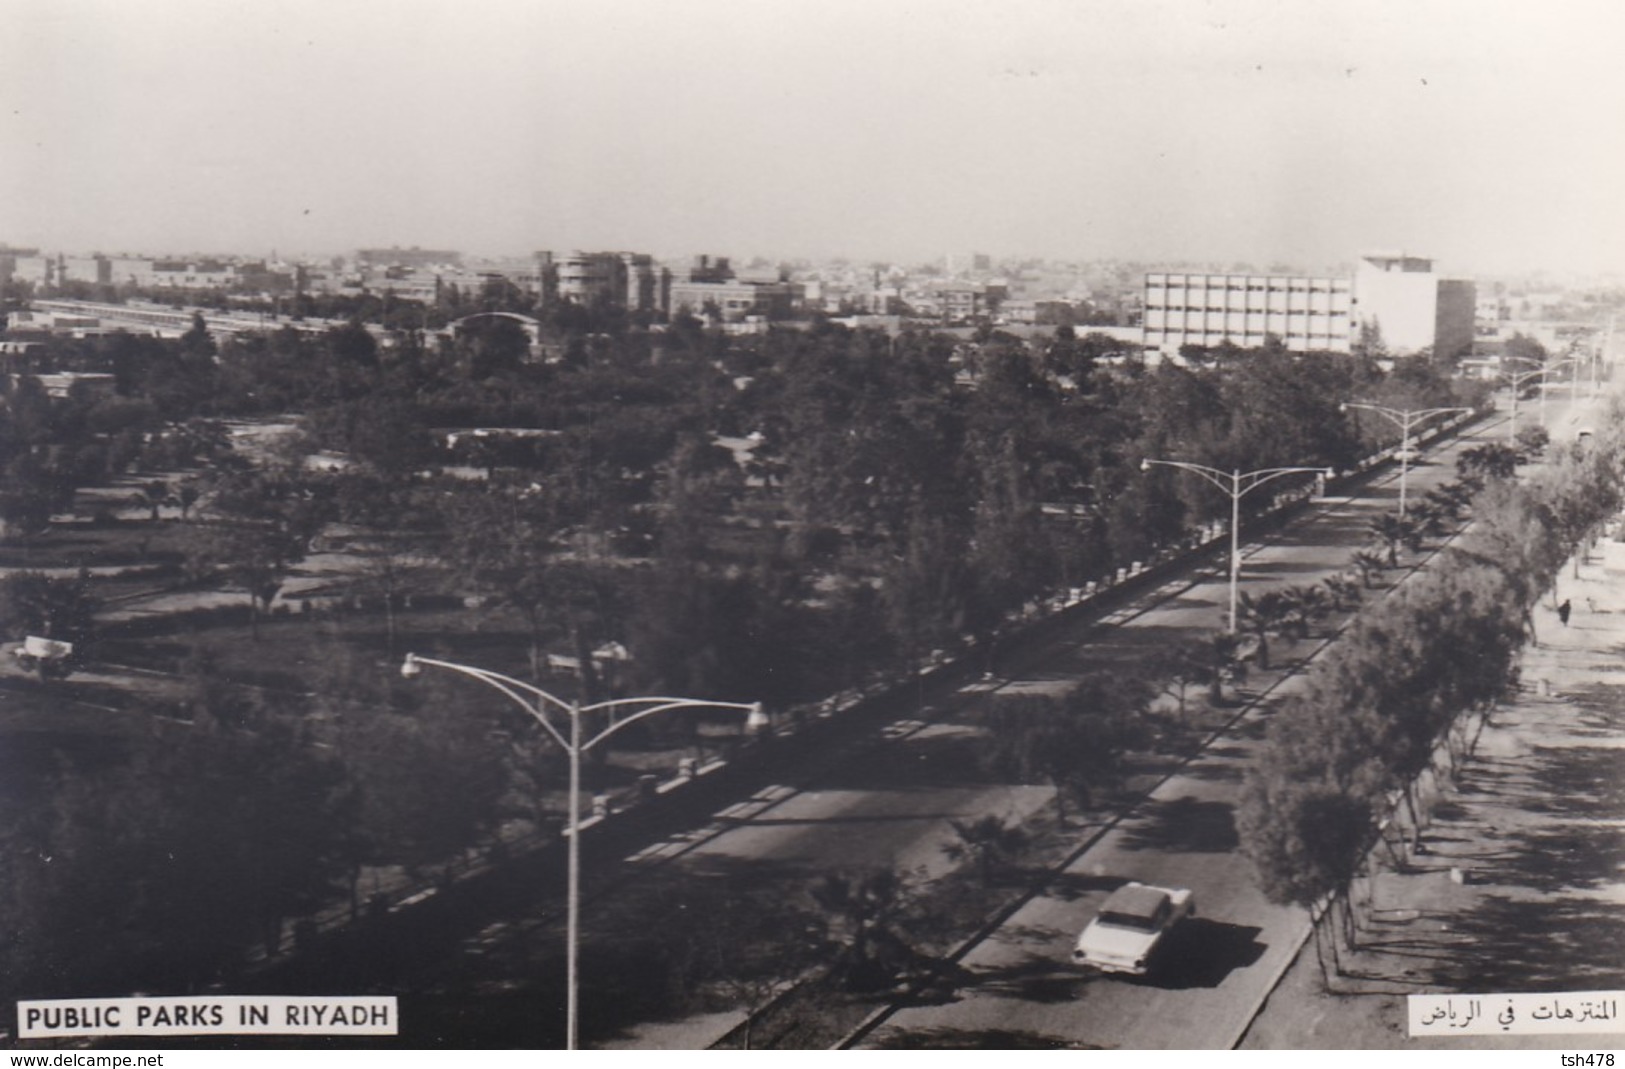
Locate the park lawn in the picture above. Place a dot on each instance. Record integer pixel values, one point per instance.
(298, 651)
(122, 544)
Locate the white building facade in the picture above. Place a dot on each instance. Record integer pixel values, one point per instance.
(1306, 313)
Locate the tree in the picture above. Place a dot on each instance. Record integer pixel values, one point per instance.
(399, 530)
(255, 558)
(165, 870)
(431, 774)
(154, 494)
(1532, 439)
(870, 918)
(989, 844)
(1182, 666)
(492, 345)
(1490, 461)
(1343, 593)
(1392, 530)
(1221, 651)
(1262, 614)
(1369, 565)
(1304, 606)
(1076, 743)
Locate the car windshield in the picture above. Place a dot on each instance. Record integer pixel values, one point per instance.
(1129, 920)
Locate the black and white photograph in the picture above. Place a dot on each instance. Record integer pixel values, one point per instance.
(807, 525)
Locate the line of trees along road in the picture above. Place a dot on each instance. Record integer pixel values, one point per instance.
(1415, 672)
(896, 496)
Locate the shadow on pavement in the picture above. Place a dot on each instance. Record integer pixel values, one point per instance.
(970, 1039)
(1035, 978)
(1184, 824)
(1070, 886)
(1202, 952)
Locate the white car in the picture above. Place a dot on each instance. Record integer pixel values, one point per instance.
(1131, 922)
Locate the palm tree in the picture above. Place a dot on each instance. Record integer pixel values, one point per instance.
(1392, 529)
(1222, 654)
(1343, 592)
(1261, 615)
(988, 843)
(1368, 564)
(866, 915)
(1304, 605)
(1430, 521)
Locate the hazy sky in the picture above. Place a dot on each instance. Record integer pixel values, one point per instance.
(1487, 134)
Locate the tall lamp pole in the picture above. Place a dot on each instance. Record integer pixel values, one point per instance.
(1406, 418)
(1518, 379)
(1237, 484)
(622, 712)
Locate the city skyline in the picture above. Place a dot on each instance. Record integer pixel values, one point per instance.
(1237, 131)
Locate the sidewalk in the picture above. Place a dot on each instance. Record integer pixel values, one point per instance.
(1522, 888)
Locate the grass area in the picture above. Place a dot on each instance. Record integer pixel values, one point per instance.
(120, 544)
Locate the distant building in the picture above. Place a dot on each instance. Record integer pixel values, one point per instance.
(960, 265)
(186, 274)
(413, 257)
(1456, 322)
(64, 384)
(38, 270)
(1042, 313)
(629, 280)
(712, 284)
(1402, 300)
(1208, 310)
(1398, 298)
(967, 302)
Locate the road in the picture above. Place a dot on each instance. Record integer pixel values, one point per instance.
(889, 803)
(1219, 968)
(892, 808)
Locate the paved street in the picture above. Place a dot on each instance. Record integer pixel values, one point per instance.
(1185, 835)
(1222, 966)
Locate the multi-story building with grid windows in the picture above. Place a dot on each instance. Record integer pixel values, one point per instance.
(1396, 298)
(1305, 313)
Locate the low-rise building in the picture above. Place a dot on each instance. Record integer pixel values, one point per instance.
(712, 286)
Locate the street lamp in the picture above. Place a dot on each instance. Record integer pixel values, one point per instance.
(1518, 380)
(1237, 484)
(622, 712)
(1406, 418)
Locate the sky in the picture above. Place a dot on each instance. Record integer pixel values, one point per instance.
(1487, 134)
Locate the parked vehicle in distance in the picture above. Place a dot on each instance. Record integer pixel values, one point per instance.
(1130, 924)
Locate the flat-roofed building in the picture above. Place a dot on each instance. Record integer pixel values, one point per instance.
(629, 280)
(1396, 298)
(1308, 313)
(413, 257)
(712, 284)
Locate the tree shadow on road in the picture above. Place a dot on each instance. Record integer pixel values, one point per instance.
(1184, 824)
(1044, 978)
(1070, 886)
(973, 1039)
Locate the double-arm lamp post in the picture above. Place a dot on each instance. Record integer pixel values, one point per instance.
(1406, 418)
(621, 712)
(1519, 378)
(1237, 484)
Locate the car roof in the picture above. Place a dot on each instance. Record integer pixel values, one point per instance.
(1135, 900)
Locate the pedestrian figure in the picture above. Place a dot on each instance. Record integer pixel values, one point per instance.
(1591, 604)
(1563, 611)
